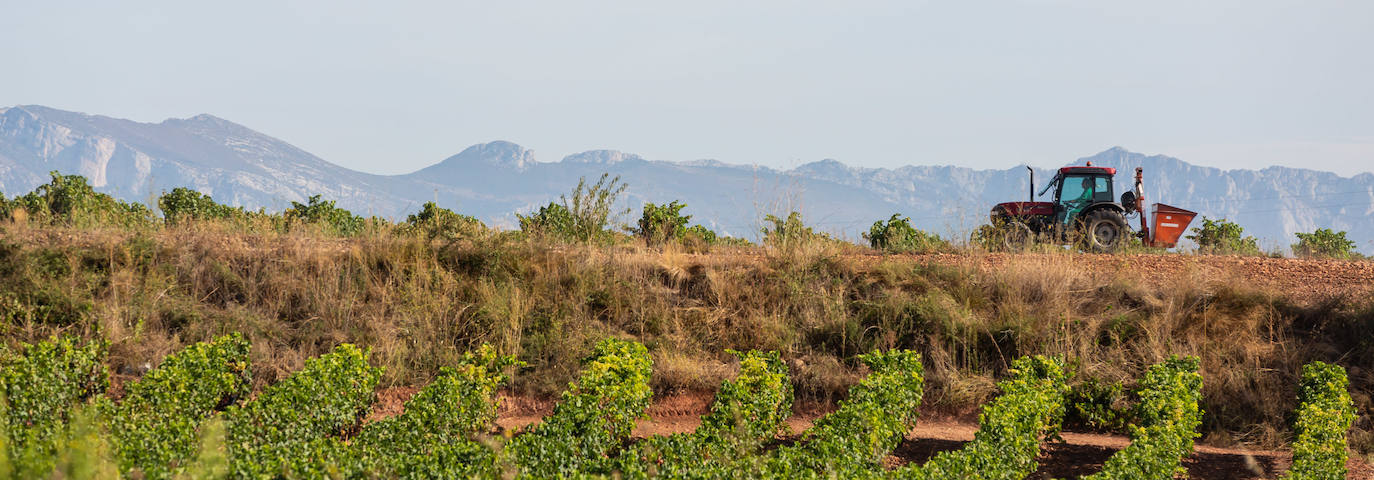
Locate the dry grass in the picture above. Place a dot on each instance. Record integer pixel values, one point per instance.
(420, 305)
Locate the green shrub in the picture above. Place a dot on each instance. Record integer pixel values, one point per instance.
(41, 385)
(702, 234)
(897, 235)
(855, 438)
(699, 237)
(594, 418)
(1167, 420)
(1223, 237)
(746, 412)
(323, 212)
(184, 204)
(592, 207)
(435, 222)
(277, 432)
(789, 233)
(1009, 428)
(1324, 243)
(1325, 412)
(433, 438)
(552, 220)
(155, 424)
(582, 216)
(663, 223)
(69, 200)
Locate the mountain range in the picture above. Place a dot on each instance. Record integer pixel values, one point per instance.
(493, 181)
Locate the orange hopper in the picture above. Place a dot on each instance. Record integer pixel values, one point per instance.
(1170, 223)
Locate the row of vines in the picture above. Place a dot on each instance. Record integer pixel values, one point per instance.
(193, 417)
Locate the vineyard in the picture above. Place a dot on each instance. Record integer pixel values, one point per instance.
(194, 417)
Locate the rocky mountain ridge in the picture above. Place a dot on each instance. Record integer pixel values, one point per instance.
(237, 165)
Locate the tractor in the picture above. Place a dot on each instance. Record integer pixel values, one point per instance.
(1084, 213)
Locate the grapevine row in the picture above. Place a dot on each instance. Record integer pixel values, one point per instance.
(1011, 426)
(746, 413)
(55, 421)
(1168, 416)
(1325, 412)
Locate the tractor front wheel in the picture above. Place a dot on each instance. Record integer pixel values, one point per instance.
(1106, 231)
(1018, 237)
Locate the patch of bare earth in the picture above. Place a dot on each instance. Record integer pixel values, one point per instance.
(390, 402)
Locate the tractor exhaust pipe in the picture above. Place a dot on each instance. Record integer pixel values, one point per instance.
(1032, 182)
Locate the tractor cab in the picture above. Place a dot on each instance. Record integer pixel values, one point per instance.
(1078, 188)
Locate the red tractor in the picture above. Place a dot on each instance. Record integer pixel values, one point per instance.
(1084, 213)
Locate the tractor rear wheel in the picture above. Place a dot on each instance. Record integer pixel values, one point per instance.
(1105, 231)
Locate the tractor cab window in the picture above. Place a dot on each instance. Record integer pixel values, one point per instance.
(1076, 189)
(1077, 192)
(1102, 189)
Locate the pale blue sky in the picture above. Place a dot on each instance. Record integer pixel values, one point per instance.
(389, 87)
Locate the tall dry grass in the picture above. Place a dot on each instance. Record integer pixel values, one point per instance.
(419, 305)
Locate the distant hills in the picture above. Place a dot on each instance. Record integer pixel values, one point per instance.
(237, 165)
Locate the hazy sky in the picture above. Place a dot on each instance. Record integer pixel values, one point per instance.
(389, 87)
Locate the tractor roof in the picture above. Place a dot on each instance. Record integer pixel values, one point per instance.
(1087, 170)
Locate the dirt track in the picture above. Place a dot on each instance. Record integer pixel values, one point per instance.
(1303, 280)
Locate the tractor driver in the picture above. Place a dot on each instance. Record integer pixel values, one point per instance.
(1078, 204)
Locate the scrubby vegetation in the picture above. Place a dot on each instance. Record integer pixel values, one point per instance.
(438, 223)
(791, 233)
(320, 213)
(184, 205)
(898, 236)
(1324, 243)
(552, 220)
(1223, 237)
(662, 223)
(589, 214)
(68, 200)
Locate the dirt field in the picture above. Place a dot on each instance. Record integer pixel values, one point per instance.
(1303, 280)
